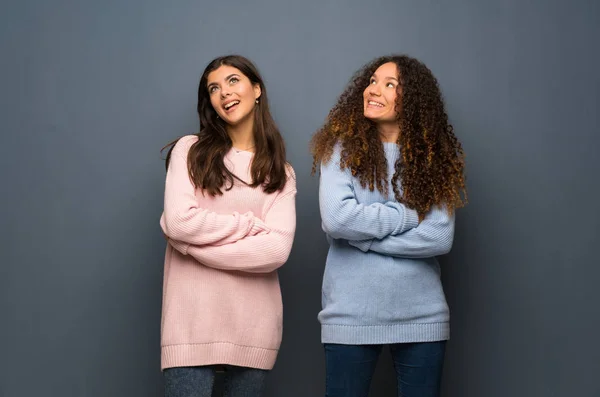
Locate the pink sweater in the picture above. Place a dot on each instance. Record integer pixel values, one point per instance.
(221, 296)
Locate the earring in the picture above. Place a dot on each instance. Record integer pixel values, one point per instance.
(256, 100)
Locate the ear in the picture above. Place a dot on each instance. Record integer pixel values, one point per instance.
(257, 91)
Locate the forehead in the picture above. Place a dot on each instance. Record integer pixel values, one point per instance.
(222, 72)
(388, 69)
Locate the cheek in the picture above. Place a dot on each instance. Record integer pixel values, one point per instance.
(248, 93)
(392, 101)
(214, 104)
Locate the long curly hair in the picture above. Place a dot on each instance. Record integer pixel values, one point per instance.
(206, 165)
(430, 169)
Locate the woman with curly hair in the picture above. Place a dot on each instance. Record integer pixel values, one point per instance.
(391, 177)
(230, 219)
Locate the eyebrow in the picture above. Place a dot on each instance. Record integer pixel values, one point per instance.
(387, 78)
(226, 78)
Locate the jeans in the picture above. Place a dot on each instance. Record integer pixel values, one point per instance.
(418, 368)
(199, 381)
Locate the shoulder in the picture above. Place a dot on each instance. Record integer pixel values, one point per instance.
(183, 145)
(290, 172)
(290, 184)
(336, 154)
(333, 162)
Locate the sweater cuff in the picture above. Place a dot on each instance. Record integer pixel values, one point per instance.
(409, 221)
(258, 227)
(412, 219)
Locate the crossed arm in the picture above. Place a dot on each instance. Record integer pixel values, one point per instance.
(432, 237)
(343, 217)
(387, 228)
(185, 221)
(222, 241)
(260, 253)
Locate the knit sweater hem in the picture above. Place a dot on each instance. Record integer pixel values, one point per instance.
(384, 334)
(226, 353)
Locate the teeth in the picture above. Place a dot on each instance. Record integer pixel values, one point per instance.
(375, 104)
(230, 104)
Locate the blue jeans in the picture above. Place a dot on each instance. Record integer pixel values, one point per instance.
(418, 368)
(199, 381)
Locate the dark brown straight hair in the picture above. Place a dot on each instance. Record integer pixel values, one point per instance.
(206, 167)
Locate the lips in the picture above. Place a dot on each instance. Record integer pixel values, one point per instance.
(230, 106)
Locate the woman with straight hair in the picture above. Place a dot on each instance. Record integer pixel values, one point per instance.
(229, 217)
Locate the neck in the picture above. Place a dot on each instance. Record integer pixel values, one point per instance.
(389, 132)
(242, 134)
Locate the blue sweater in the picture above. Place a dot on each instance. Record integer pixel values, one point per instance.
(382, 282)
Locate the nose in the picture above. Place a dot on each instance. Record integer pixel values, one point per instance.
(374, 89)
(225, 92)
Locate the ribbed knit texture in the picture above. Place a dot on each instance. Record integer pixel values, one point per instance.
(382, 282)
(221, 296)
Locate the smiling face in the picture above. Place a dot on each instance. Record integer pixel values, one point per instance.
(381, 93)
(232, 95)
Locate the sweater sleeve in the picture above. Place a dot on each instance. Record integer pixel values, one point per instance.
(261, 253)
(185, 221)
(344, 218)
(434, 236)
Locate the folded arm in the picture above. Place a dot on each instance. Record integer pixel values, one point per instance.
(433, 237)
(261, 253)
(185, 221)
(344, 218)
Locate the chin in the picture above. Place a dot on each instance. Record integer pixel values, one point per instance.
(231, 120)
(238, 118)
(369, 117)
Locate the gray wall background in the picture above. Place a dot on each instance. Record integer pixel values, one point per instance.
(90, 91)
